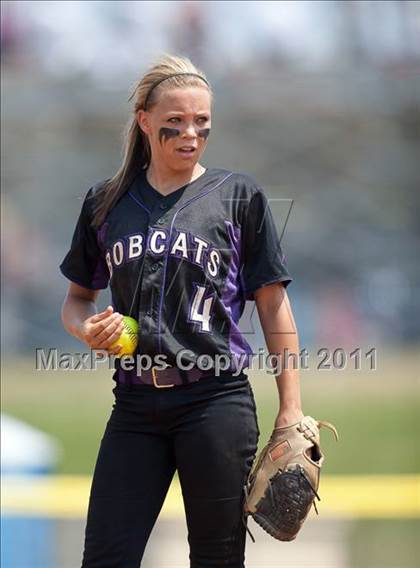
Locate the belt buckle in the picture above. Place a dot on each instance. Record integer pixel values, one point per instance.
(157, 385)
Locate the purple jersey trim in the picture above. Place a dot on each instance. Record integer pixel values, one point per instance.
(100, 277)
(76, 280)
(101, 235)
(232, 295)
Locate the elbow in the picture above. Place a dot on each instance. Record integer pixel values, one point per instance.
(65, 314)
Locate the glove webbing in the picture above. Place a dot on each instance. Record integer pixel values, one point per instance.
(302, 473)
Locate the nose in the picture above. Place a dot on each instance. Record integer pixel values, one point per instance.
(190, 131)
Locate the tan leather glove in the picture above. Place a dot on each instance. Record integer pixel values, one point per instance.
(284, 481)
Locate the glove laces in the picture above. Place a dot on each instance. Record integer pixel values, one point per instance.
(244, 516)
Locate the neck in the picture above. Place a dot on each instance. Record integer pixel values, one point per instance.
(166, 180)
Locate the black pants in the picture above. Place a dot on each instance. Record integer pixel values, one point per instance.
(208, 432)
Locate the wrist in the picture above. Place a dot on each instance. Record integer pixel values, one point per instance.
(77, 332)
(287, 416)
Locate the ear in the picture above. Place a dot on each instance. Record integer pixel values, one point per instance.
(143, 120)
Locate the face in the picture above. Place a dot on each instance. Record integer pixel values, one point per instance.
(178, 126)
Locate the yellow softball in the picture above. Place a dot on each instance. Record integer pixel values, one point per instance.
(128, 338)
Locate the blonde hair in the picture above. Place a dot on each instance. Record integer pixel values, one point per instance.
(136, 147)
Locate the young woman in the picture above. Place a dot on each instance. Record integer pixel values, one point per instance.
(182, 247)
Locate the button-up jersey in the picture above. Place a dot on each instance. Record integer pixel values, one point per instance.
(182, 264)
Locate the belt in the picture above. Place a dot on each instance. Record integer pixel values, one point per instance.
(162, 377)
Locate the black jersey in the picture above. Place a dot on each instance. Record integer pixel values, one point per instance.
(183, 264)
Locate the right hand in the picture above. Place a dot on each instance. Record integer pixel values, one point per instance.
(101, 330)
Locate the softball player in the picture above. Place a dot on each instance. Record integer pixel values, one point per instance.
(182, 247)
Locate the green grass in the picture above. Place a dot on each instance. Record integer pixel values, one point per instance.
(73, 407)
(375, 436)
(375, 413)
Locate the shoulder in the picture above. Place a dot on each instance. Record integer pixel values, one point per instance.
(246, 179)
(95, 189)
(242, 182)
(90, 196)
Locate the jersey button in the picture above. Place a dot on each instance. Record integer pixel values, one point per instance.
(163, 206)
(155, 266)
(161, 221)
(149, 313)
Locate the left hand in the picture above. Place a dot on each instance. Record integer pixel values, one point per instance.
(288, 416)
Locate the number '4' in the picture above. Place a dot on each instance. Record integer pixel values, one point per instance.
(204, 316)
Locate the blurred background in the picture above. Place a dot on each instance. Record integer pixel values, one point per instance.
(320, 102)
